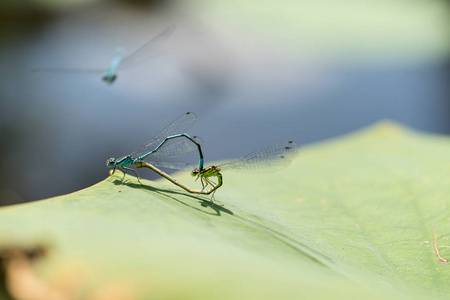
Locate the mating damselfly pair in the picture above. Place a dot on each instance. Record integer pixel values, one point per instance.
(271, 158)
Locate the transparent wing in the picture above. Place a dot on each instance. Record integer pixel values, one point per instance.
(129, 60)
(56, 70)
(178, 147)
(179, 125)
(146, 50)
(173, 165)
(271, 158)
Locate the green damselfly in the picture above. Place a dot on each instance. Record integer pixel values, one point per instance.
(271, 158)
(156, 148)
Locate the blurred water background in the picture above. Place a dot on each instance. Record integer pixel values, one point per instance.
(255, 72)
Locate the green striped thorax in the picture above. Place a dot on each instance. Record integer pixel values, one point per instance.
(206, 172)
(125, 161)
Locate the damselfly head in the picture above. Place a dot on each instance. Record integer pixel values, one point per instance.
(109, 78)
(195, 172)
(111, 162)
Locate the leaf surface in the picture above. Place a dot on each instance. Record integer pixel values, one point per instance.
(351, 217)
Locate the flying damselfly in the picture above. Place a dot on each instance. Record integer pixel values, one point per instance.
(120, 61)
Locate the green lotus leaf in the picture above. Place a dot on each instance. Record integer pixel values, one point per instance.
(351, 217)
